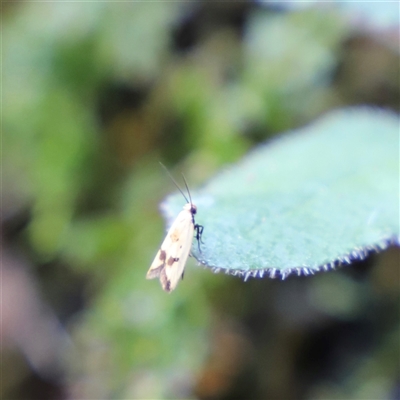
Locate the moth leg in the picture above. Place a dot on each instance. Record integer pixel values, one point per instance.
(199, 232)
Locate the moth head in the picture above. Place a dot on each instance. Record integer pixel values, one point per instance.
(190, 207)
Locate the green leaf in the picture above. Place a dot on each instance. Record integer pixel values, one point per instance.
(318, 197)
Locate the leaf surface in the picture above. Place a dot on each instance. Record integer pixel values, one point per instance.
(312, 199)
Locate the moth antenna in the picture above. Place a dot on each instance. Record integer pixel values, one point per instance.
(173, 180)
(187, 188)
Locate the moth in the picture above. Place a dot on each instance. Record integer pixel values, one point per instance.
(170, 261)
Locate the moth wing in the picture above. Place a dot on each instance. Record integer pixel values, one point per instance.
(158, 263)
(177, 257)
(170, 260)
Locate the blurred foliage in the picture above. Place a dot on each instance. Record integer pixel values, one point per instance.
(95, 94)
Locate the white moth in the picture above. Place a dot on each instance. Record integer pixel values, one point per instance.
(170, 261)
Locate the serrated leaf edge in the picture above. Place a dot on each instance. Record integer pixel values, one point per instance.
(357, 254)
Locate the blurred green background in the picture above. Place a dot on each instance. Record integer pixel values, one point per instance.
(94, 95)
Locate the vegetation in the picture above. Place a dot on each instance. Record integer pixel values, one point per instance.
(95, 95)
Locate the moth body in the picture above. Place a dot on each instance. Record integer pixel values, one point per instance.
(170, 261)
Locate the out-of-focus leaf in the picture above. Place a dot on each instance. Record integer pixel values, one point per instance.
(326, 194)
(307, 40)
(273, 44)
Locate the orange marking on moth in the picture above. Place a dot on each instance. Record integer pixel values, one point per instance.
(175, 235)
